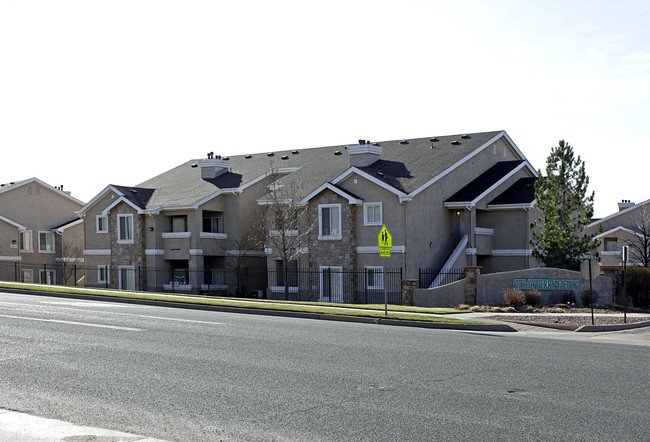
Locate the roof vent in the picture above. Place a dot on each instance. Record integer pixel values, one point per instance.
(133, 191)
(194, 165)
(404, 142)
(248, 156)
(434, 140)
(466, 137)
(362, 142)
(380, 173)
(285, 157)
(270, 154)
(337, 152)
(455, 143)
(294, 152)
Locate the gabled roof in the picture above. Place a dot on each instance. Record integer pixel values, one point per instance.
(617, 214)
(617, 229)
(520, 193)
(406, 167)
(481, 184)
(12, 223)
(15, 185)
(73, 222)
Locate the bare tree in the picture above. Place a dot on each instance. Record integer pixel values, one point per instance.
(285, 225)
(237, 253)
(639, 240)
(71, 253)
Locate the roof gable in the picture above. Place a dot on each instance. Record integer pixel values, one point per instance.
(5, 188)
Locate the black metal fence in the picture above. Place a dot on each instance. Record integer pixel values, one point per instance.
(429, 277)
(326, 284)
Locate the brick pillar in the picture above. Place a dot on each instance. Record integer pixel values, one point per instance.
(471, 277)
(408, 285)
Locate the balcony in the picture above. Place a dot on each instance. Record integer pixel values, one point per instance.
(484, 240)
(177, 245)
(610, 258)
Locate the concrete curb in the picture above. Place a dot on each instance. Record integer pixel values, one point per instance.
(616, 327)
(496, 327)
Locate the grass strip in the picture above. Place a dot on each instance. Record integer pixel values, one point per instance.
(364, 310)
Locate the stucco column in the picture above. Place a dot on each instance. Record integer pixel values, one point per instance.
(471, 279)
(472, 235)
(408, 285)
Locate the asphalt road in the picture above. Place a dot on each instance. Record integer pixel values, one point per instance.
(187, 375)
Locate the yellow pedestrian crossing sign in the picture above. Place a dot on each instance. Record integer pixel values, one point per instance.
(385, 241)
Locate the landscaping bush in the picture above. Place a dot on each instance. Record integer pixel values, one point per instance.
(514, 298)
(532, 297)
(589, 297)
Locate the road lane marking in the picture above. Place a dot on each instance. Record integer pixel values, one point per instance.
(85, 324)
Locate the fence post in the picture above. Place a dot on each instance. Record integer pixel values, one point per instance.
(408, 286)
(74, 269)
(471, 279)
(106, 277)
(15, 271)
(172, 279)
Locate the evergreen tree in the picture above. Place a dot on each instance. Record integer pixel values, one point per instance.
(565, 209)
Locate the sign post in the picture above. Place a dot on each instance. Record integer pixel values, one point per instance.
(385, 242)
(590, 257)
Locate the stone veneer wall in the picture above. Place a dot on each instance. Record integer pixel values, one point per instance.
(333, 252)
(127, 254)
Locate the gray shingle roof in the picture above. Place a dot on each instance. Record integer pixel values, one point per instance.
(484, 181)
(404, 166)
(521, 192)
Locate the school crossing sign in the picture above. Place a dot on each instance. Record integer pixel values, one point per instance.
(385, 241)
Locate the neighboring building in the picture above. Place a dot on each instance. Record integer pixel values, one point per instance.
(41, 237)
(630, 227)
(448, 201)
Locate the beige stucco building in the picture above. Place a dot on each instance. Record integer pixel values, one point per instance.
(41, 237)
(447, 201)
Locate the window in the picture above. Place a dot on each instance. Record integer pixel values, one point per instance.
(291, 273)
(179, 223)
(215, 277)
(125, 229)
(102, 224)
(27, 275)
(330, 221)
(127, 278)
(374, 278)
(46, 242)
(331, 284)
(26, 241)
(213, 222)
(47, 276)
(102, 274)
(611, 245)
(372, 214)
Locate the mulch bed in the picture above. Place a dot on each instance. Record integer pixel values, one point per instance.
(566, 322)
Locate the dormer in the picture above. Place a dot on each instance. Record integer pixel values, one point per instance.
(213, 166)
(364, 154)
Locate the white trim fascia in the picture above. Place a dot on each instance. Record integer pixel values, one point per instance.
(483, 231)
(42, 183)
(512, 252)
(265, 202)
(119, 200)
(458, 164)
(97, 197)
(278, 233)
(196, 252)
(254, 181)
(97, 252)
(244, 253)
(370, 178)
(176, 235)
(67, 226)
(154, 252)
(617, 228)
(375, 249)
(471, 251)
(610, 253)
(340, 192)
(523, 206)
(13, 223)
(518, 151)
(11, 258)
(69, 259)
(210, 235)
(280, 289)
(614, 215)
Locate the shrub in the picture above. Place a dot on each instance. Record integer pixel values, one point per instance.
(533, 297)
(475, 308)
(514, 298)
(563, 306)
(463, 307)
(589, 297)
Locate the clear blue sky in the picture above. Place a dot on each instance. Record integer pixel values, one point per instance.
(93, 93)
